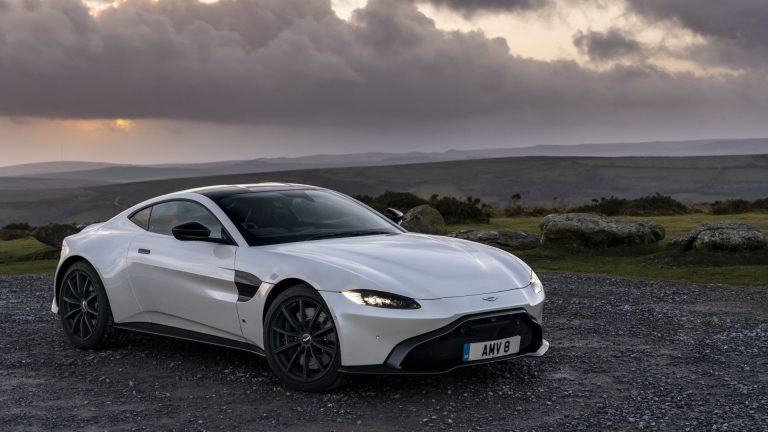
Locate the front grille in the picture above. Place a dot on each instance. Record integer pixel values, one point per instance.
(445, 350)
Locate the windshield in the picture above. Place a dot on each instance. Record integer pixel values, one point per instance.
(273, 217)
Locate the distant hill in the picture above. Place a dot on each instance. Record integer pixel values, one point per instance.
(540, 180)
(47, 168)
(74, 174)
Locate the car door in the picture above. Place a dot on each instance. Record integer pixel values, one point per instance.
(185, 284)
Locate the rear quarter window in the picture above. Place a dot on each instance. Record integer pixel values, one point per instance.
(141, 218)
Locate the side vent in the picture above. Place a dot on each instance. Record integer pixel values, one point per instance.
(247, 285)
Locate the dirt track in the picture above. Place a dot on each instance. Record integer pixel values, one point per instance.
(625, 355)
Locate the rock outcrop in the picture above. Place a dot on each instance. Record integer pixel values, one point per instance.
(424, 219)
(722, 236)
(503, 238)
(584, 230)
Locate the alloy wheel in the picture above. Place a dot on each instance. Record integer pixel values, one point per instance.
(79, 305)
(303, 339)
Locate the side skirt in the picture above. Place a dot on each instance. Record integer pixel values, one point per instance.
(188, 335)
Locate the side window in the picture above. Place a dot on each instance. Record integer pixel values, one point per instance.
(142, 218)
(170, 214)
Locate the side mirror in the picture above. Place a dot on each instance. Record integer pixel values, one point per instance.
(192, 231)
(395, 216)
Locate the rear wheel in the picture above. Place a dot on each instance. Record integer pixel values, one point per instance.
(84, 309)
(301, 341)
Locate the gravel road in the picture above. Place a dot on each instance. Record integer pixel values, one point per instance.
(625, 355)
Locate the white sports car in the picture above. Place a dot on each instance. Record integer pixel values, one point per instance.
(316, 281)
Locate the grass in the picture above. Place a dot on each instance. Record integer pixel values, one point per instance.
(643, 262)
(28, 267)
(26, 256)
(626, 264)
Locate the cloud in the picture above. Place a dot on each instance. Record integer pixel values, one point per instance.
(471, 7)
(610, 45)
(295, 63)
(736, 32)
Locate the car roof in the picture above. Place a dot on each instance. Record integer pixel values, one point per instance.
(221, 191)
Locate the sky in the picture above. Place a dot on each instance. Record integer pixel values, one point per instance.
(145, 81)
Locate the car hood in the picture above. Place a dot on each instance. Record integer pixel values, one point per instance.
(416, 265)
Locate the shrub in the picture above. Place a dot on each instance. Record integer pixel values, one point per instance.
(611, 206)
(656, 204)
(402, 201)
(15, 231)
(516, 210)
(19, 227)
(13, 234)
(456, 211)
(733, 206)
(761, 204)
(651, 205)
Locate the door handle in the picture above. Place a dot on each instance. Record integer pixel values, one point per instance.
(144, 251)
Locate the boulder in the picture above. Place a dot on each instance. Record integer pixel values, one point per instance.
(580, 230)
(722, 236)
(54, 234)
(502, 238)
(424, 219)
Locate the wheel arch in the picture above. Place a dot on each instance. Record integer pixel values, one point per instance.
(280, 288)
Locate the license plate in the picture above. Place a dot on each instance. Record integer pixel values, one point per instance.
(491, 349)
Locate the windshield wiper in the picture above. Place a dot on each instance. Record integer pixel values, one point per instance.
(348, 234)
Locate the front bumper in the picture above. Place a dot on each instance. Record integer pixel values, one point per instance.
(440, 350)
(377, 340)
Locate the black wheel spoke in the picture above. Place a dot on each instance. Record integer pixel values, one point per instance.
(319, 363)
(306, 362)
(70, 300)
(324, 347)
(77, 325)
(286, 332)
(322, 331)
(283, 348)
(312, 322)
(72, 313)
(291, 319)
(72, 289)
(88, 324)
(79, 285)
(293, 359)
(86, 284)
(302, 319)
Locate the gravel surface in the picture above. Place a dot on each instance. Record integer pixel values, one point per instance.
(625, 355)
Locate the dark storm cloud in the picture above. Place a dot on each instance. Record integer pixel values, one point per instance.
(610, 45)
(736, 31)
(293, 62)
(473, 6)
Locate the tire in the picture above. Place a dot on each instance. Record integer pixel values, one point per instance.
(301, 341)
(86, 316)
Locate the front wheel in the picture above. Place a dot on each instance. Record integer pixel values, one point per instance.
(301, 341)
(84, 309)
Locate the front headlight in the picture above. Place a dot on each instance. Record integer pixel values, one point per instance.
(536, 283)
(381, 299)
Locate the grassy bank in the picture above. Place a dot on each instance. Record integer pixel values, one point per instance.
(22, 256)
(642, 262)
